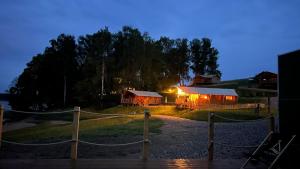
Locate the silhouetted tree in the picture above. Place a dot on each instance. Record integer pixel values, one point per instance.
(69, 73)
(48, 81)
(204, 57)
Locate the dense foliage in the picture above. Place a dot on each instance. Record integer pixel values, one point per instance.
(72, 72)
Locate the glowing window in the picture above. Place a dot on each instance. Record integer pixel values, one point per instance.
(193, 97)
(203, 96)
(229, 97)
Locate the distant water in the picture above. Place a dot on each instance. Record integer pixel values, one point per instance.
(5, 104)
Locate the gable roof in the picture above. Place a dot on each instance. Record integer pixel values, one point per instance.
(145, 93)
(210, 91)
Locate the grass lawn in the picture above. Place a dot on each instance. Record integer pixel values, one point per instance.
(88, 129)
(132, 125)
(200, 115)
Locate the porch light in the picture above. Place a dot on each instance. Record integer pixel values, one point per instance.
(180, 92)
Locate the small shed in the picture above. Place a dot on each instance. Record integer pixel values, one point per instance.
(141, 98)
(197, 97)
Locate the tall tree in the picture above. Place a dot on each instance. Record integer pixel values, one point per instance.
(49, 78)
(204, 57)
(128, 56)
(94, 52)
(183, 59)
(168, 51)
(106, 63)
(198, 60)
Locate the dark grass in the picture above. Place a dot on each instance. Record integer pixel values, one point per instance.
(88, 129)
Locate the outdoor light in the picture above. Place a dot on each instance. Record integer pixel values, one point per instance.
(204, 97)
(180, 92)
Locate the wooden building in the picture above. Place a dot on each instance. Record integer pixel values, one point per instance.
(205, 80)
(265, 80)
(197, 97)
(141, 98)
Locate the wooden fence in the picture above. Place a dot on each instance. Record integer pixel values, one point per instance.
(222, 107)
(75, 132)
(211, 129)
(145, 153)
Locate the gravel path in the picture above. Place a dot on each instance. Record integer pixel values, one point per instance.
(183, 138)
(180, 138)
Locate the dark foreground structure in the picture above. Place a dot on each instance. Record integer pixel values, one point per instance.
(289, 105)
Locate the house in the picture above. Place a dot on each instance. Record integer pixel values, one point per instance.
(197, 97)
(141, 98)
(265, 80)
(205, 80)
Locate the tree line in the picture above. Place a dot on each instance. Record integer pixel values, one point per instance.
(98, 67)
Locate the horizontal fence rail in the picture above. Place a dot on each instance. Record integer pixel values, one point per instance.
(41, 113)
(211, 141)
(238, 120)
(75, 131)
(236, 146)
(111, 145)
(222, 107)
(36, 144)
(146, 142)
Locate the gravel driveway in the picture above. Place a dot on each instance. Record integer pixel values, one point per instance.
(184, 138)
(180, 138)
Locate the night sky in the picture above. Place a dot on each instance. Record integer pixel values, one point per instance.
(249, 34)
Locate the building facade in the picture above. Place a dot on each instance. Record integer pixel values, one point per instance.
(199, 97)
(140, 98)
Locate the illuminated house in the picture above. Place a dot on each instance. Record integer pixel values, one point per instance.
(197, 97)
(141, 98)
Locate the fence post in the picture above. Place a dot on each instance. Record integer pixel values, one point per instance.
(256, 109)
(1, 123)
(269, 105)
(210, 136)
(272, 124)
(146, 134)
(75, 132)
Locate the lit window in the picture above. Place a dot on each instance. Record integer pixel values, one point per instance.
(193, 97)
(229, 97)
(203, 97)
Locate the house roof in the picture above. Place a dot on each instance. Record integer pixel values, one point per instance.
(207, 76)
(210, 91)
(145, 93)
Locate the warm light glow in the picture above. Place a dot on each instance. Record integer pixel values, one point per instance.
(180, 92)
(204, 97)
(170, 90)
(194, 97)
(229, 97)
